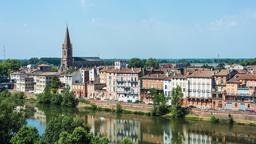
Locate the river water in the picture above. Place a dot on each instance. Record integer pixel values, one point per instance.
(149, 130)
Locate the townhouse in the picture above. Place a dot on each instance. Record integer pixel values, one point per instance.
(42, 80)
(241, 92)
(151, 81)
(123, 84)
(200, 84)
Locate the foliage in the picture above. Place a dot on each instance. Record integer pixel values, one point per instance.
(94, 106)
(36, 61)
(213, 119)
(177, 110)
(10, 121)
(159, 103)
(126, 140)
(55, 84)
(230, 119)
(119, 108)
(65, 99)
(26, 135)
(207, 66)
(7, 66)
(68, 98)
(220, 66)
(78, 136)
(177, 95)
(62, 124)
(152, 63)
(248, 62)
(135, 63)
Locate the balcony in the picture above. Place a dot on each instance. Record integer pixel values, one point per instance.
(243, 91)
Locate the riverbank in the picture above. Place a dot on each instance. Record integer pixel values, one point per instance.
(138, 109)
(240, 118)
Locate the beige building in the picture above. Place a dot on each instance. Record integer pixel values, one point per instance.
(25, 84)
(42, 80)
(96, 91)
(123, 84)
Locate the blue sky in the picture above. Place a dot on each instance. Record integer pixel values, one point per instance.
(129, 28)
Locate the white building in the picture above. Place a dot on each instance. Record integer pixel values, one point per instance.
(75, 77)
(120, 64)
(200, 84)
(42, 80)
(25, 84)
(123, 84)
(181, 81)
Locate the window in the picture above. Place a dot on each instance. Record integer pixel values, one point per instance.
(165, 86)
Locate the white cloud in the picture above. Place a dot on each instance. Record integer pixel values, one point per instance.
(232, 21)
(223, 23)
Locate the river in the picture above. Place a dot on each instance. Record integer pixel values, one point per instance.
(149, 130)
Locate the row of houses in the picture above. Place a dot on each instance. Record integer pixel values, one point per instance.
(202, 88)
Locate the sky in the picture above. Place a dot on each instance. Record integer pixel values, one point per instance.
(129, 28)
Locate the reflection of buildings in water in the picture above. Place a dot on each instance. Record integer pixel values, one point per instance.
(115, 129)
(40, 115)
(192, 137)
(151, 138)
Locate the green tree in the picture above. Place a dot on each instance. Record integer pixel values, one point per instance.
(55, 84)
(10, 121)
(26, 135)
(62, 124)
(78, 136)
(45, 97)
(126, 140)
(135, 63)
(220, 66)
(151, 63)
(177, 95)
(119, 108)
(68, 98)
(176, 103)
(159, 103)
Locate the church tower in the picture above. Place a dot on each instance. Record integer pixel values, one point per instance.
(67, 59)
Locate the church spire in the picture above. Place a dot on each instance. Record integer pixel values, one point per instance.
(67, 43)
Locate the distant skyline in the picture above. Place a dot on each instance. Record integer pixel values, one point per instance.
(129, 28)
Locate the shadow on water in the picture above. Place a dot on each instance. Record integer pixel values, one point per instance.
(149, 130)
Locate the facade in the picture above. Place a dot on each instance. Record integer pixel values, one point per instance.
(151, 81)
(120, 64)
(240, 92)
(75, 77)
(219, 90)
(96, 91)
(85, 74)
(42, 80)
(123, 84)
(25, 84)
(200, 84)
(79, 90)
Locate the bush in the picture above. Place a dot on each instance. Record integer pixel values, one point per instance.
(214, 119)
(94, 107)
(119, 108)
(230, 119)
(179, 112)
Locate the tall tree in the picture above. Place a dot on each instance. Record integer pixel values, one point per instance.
(26, 135)
(135, 63)
(152, 63)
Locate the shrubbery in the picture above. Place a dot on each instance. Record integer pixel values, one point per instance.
(65, 99)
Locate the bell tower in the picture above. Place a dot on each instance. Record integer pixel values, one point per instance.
(67, 59)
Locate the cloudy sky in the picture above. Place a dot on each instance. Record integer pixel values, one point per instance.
(129, 28)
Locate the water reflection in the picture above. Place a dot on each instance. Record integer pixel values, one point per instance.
(151, 130)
